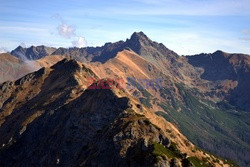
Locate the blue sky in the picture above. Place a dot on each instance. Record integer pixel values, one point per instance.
(185, 26)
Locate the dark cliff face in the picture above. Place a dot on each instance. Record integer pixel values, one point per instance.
(33, 52)
(144, 46)
(216, 66)
(140, 44)
(221, 66)
(105, 52)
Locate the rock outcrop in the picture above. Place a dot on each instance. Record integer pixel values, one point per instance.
(52, 118)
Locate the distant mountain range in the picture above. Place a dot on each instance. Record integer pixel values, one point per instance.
(206, 96)
(223, 75)
(33, 52)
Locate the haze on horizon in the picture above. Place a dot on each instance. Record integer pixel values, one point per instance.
(184, 26)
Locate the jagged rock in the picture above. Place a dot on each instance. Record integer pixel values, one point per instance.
(30, 77)
(33, 52)
(145, 145)
(6, 86)
(185, 162)
(174, 163)
(161, 163)
(67, 65)
(164, 140)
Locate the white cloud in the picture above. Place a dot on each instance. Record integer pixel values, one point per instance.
(69, 31)
(80, 42)
(65, 30)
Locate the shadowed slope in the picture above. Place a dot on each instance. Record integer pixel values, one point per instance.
(50, 117)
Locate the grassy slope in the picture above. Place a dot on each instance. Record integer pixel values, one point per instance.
(215, 128)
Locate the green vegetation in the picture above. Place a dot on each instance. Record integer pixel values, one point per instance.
(172, 152)
(160, 150)
(145, 93)
(217, 158)
(210, 126)
(145, 101)
(168, 93)
(147, 97)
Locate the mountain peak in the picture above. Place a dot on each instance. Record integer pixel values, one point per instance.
(67, 65)
(139, 36)
(218, 52)
(137, 41)
(19, 47)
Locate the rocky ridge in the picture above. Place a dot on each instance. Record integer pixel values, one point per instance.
(51, 117)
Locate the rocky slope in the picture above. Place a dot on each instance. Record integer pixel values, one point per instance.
(206, 96)
(52, 117)
(228, 75)
(214, 127)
